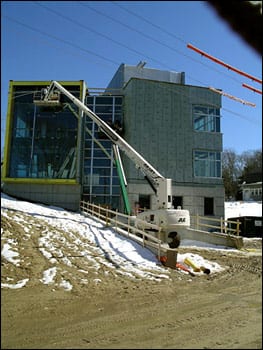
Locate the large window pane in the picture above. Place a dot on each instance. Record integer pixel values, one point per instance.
(106, 182)
(207, 164)
(44, 139)
(206, 119)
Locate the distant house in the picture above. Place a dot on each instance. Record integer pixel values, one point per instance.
(252, 191)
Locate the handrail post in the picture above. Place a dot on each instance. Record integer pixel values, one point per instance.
(237, 228)
(107, 217)
(221, 225)
(129, 220)
(197, 221)
(116, 219)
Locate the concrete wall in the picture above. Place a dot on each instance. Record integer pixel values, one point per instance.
(193, 197)
(158, 124)
(64, 196)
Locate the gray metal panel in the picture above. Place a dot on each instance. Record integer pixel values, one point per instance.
(159, 125)
(151, 74)
(126, 72)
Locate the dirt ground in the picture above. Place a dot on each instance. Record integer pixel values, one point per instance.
(217, 311)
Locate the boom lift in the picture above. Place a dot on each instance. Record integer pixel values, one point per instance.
(162, 212)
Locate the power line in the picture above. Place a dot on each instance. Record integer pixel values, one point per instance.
(149, 22)
(233, 97)
(153, 39)
(131, 28)
(244, 17)
(100, 34)
(80, 54)
(60, 39)
(201, 100)
(252, 88)
(169, 33)
(105, 36)
(78, 47)
(212, 105)
(115, 63)
(56, 38)
(216, 60)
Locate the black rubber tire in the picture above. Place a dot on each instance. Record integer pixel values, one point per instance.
(176, 240)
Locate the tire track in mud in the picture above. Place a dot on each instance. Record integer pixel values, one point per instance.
(181, 327)
(254, 269)
(122, 266)
(73, 249)
(98, 256)
(123, 327)
(65, 251)
(142, 318)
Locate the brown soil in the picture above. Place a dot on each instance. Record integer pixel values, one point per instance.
(113, 311)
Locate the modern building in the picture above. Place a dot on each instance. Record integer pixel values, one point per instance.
(56, 155)
(42, 146)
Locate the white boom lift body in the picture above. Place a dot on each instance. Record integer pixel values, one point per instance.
(162, 213)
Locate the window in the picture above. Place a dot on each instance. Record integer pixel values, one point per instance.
(206, 119)
(207, 164)
(106, 189)
(144, 201)
(208, 206)
(44, 138)
(177, 202)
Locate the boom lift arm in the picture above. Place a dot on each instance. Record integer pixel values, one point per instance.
(162, 186)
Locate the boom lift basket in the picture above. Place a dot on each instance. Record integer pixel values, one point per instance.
(53, 100)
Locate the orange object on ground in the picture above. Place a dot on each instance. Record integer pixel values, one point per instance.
(163, 259)
(184, 268)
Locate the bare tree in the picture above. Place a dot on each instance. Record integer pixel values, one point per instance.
(237, 169)
(231, 171)
(251, 166)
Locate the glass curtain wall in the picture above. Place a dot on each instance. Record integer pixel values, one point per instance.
(44, 139)
(100, 181)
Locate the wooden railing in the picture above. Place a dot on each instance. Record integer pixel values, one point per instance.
(205, 223)
(217, 225)
(125, 224)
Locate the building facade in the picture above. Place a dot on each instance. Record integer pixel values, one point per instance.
(43, 146)
(101, 183)
(174, 126)
(252, 191)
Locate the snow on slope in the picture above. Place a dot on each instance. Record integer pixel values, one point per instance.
(79, 243)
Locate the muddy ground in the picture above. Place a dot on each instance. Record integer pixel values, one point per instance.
(216, 311)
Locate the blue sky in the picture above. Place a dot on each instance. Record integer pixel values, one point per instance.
(88, 40)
